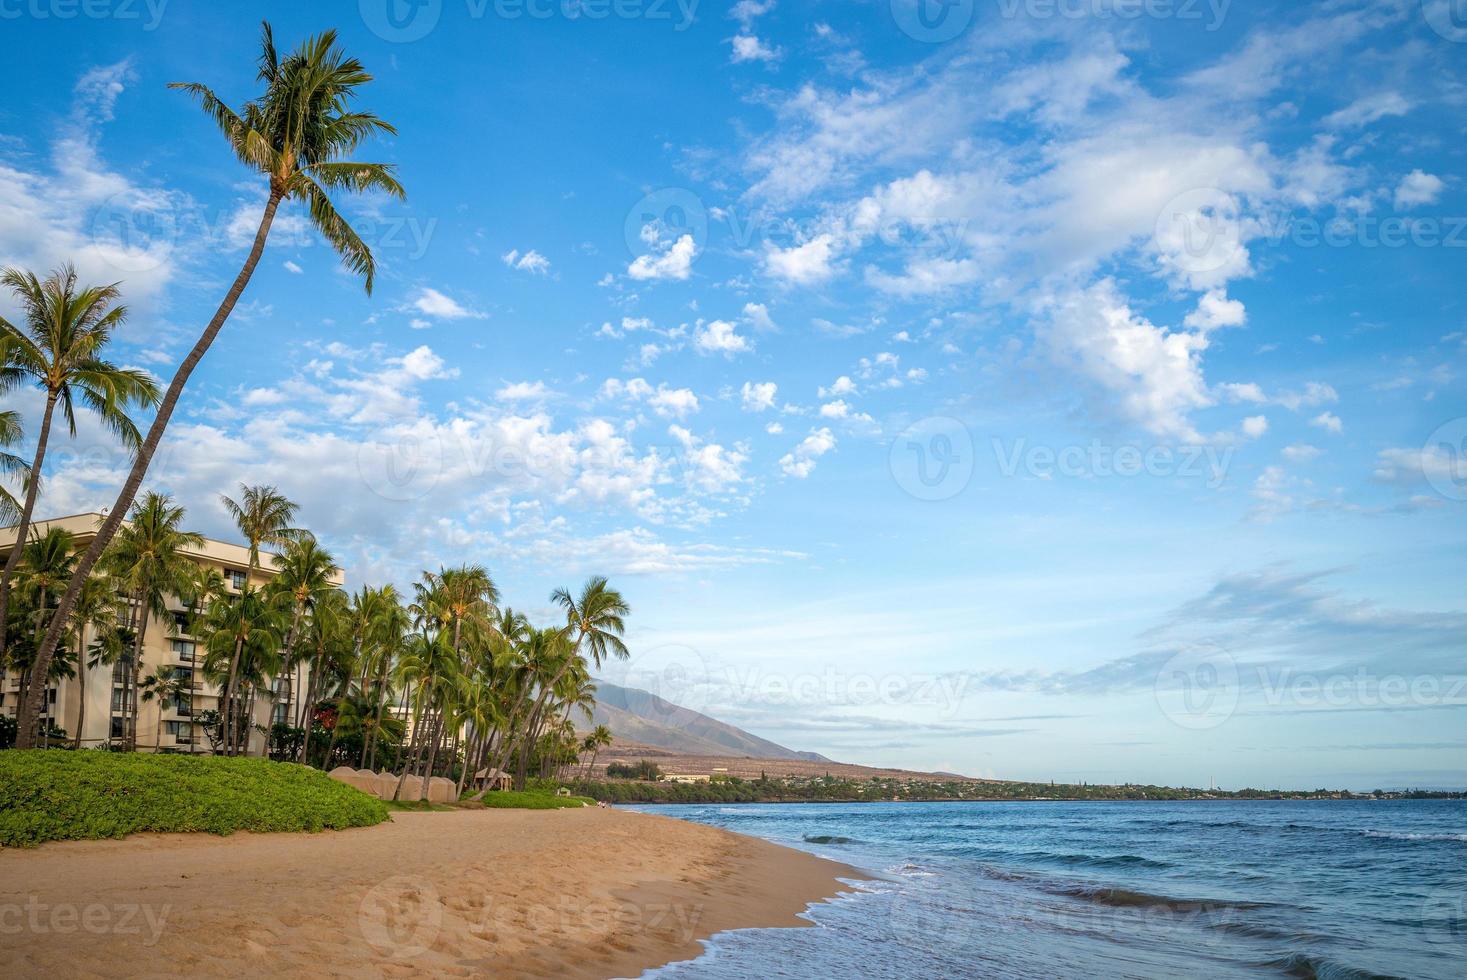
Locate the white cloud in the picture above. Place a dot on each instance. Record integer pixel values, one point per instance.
(530, 261)
(524, 391)
(1328, 421)
(842, 385)
(1364, 111)
(803, 264)
(709, 467)
(1254, 426)
(674, 262)
(774, 428)
(1301, 452)
(1416, 188)
(291, 267)
(758, 316)
(1215, 310)
(747, 47)
(800, 461)
(835, 410)
(1152, 376)
(1314, 393)
(721, 337)
(759, 397)
(433, 303)
(1246, 392)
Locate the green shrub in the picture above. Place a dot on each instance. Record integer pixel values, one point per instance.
(530, 800)
(79, 795)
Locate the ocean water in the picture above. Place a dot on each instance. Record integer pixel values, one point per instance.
(1205, 889)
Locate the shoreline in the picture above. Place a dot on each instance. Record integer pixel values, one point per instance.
(546, 893)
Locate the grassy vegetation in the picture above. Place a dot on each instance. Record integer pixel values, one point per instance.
(419, 806)
(533, 800)
(51, 795)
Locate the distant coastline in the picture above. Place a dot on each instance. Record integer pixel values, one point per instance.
(736, 790)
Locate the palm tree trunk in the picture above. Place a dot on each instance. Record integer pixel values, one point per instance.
(33, 486)
(30, 708)
(432, 756)
(308, 720)
(81, 684)
(226, 697)
(137, 669)
(417, 741)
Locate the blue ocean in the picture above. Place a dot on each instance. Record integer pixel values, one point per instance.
(1328, 889)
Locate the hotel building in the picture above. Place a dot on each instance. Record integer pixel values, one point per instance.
(162, 727)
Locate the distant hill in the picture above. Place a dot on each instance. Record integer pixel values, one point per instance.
(644, 718)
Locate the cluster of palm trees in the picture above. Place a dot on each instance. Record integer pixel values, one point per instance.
(297, 135)
(446, 682)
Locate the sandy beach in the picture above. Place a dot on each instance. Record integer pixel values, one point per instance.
(549, 893)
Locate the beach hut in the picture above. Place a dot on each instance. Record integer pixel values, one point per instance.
(494, 778)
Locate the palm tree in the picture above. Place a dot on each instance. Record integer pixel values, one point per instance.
(96, 610)
(11, 465)
(60, 352)
(599, 738)
(263, 516)
(305, 571)
(164, 684)
(242, 636)
(46, 562)
(295, 135)
(593, 620)
(150, 560)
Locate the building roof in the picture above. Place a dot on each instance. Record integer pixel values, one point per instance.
(85, 526)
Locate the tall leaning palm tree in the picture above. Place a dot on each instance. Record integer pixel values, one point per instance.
(264, 516)
(295, 134)
(60, 351)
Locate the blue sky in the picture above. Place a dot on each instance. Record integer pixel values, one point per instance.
(1040, 390)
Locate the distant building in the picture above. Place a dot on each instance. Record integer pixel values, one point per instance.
(166, 643)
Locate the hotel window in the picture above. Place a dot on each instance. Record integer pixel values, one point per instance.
(116, 731)
(236, 577)
(117, 703)
(281, 714)
(180, 621)
(184, 704)
(183, 650)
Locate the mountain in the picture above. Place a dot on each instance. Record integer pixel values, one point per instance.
(639, 716)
